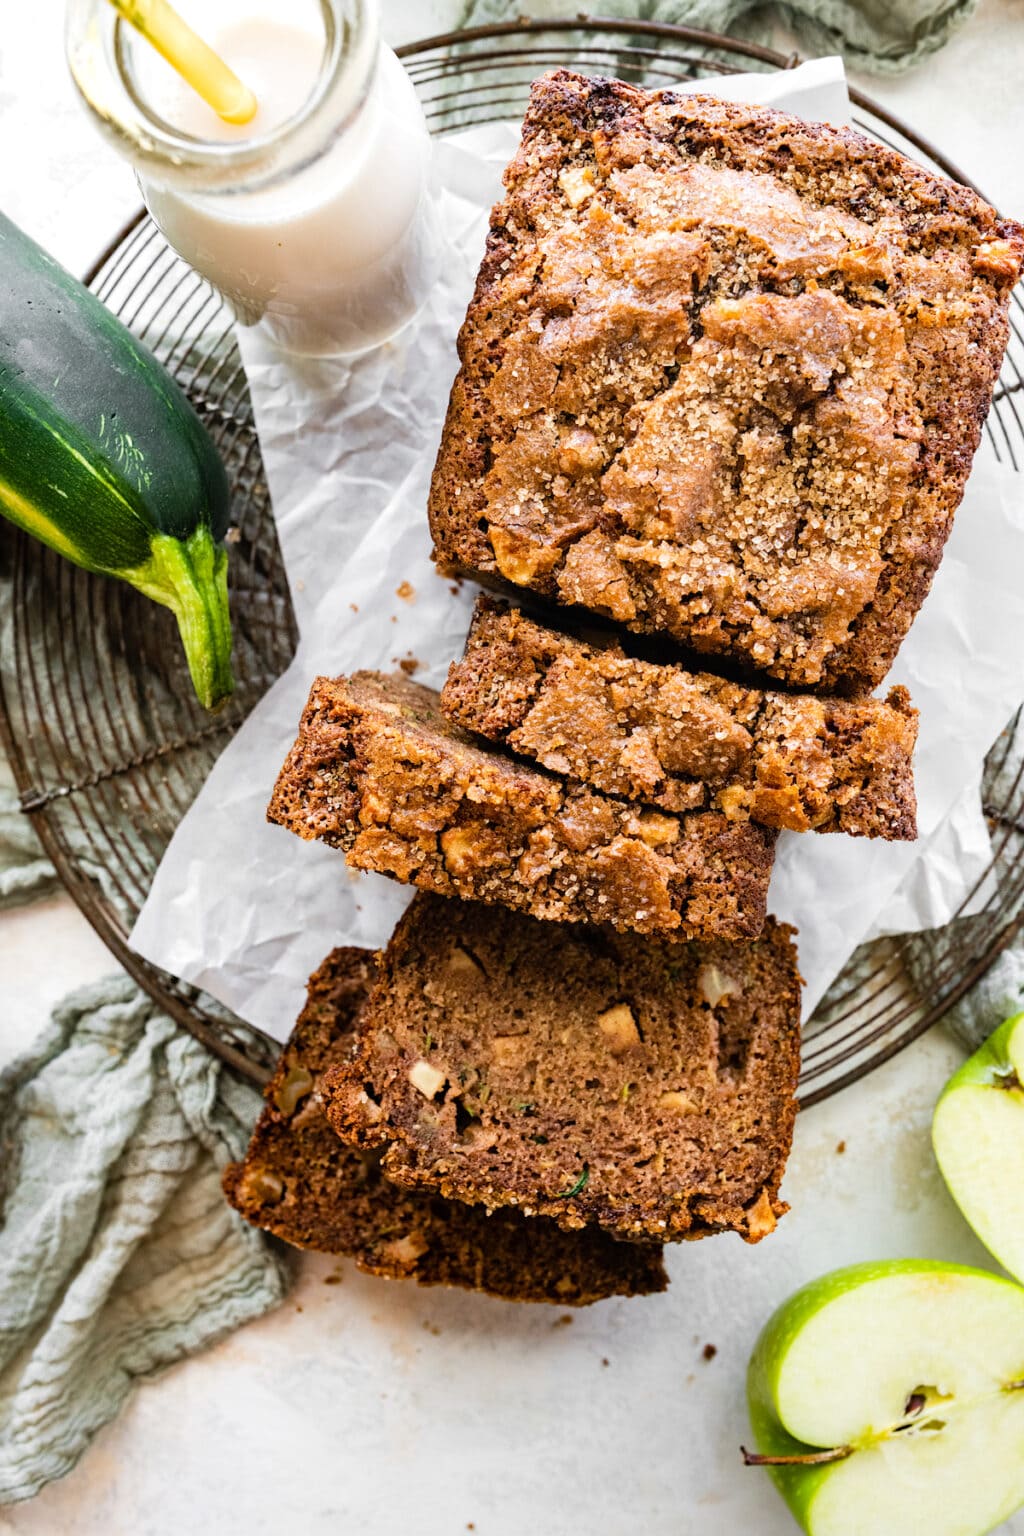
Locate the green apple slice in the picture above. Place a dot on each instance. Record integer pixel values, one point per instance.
(888, 1400)
(978, 1136)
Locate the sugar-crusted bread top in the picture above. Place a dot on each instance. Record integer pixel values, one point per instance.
(723, 376)
(378, 771)
(685, 740)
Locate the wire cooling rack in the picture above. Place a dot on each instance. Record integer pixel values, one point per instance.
(106, 742)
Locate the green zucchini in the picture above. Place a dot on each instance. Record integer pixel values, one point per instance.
(103, 458)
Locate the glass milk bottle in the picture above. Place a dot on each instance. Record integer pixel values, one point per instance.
(314, 220)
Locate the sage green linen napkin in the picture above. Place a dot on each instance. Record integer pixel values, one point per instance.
(883, 36)
(25, 872)
(999, 993)
(118, 1253)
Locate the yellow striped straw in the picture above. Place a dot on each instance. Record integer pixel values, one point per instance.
(195, 61)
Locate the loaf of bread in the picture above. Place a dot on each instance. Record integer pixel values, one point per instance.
(685, 740)
(722, 377)
(378, 772)
(299, 1181)
(579, 1074)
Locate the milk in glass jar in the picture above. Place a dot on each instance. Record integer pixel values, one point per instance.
(314, 220)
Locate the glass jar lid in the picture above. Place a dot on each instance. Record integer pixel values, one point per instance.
(103, 55)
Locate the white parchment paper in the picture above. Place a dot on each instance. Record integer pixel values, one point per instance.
(247, 910)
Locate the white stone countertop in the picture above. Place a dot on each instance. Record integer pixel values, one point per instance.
(370, 1409)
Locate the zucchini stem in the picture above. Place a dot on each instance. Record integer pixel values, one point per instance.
(190, 576)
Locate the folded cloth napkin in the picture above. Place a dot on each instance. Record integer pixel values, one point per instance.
(118, 1254)
(1000, 991)
(25, 872)
(884, 36)
(997, 996)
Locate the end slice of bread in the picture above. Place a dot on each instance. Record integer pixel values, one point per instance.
(579, 1074)
(299, 1181)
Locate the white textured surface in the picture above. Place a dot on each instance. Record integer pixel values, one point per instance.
(366, 1409)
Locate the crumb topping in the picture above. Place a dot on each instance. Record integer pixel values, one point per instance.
(723, 375)
(683, 740)
(378, 772)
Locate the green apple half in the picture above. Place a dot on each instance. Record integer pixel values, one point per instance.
(978, 1136)
(888, 1400)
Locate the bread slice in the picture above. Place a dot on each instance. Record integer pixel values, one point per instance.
(723, 376)
(299, 1181)
(579, 1074)
(685, 740)
(379, 772)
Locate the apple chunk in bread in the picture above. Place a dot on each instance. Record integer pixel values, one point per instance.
(978, 1136)
(889, 1397)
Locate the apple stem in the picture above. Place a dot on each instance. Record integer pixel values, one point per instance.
(807, 1459)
